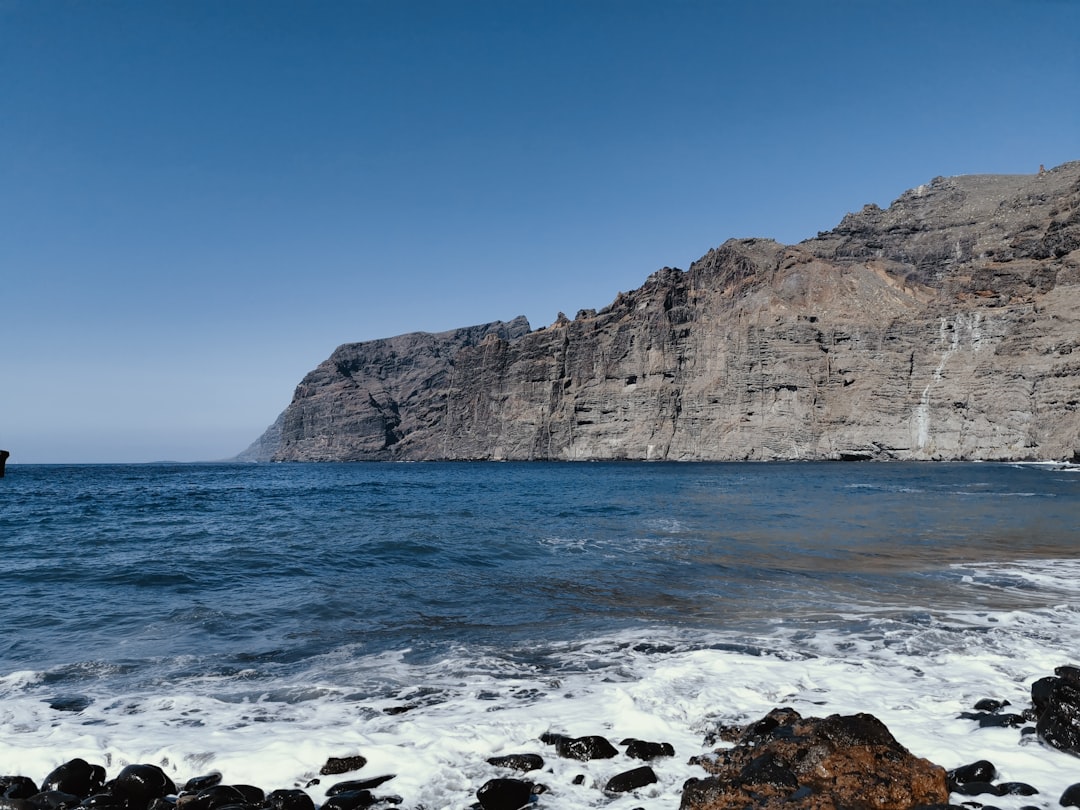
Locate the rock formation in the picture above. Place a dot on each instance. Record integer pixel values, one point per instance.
(787, 761)
(944, 327)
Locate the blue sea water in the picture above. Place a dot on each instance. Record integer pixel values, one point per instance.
(161, 612)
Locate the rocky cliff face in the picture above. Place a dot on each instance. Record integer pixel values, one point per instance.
(941, 328)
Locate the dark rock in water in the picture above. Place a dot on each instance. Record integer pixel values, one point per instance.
(981, 771)
(197, 783)
(1071, 796)
(1070, 674)
(251, 793)
(505, 794)
(518, 762)
(289, 800)
(161, 803)
(1017, 789)
(1059, 721)
(992, 720)
(786, 761)
(640, 749)
(975, 788)
(104, 801)
(139, 785)
(77, 777)
(581, 748)
(1040, 693)
(336, 765)
(7, 803)
(357, 784)
(69, 703)
(631, 780)
(990, 705)
(212, 798)
(17, 787)
(54, 800)
(349, 800)
(4, 456)
(578, 780)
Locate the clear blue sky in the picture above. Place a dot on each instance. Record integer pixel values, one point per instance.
(199, 200)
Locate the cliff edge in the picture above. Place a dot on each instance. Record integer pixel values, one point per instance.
(944, 327)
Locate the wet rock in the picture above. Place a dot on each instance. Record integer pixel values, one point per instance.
(640, 749)
(1071, 796)
(214, 797)
(631, 780)
(197, 783)
(992, 720)
(581, 748)
(358, 784)
(54, 800)
(349, 800)
(162, 803)
(518, 762)
(981, 771)
(990, 705)
(138, 785)
(104, 801)
(1017, 789)
(505, 794)
(7, 803)
(976, 788)
(1069, 674)
(251, 793)
(1040, 693)
(17, 787)
(1059, 718)
(289, 800)
(786, 761)
(336, 765)
(76, 776)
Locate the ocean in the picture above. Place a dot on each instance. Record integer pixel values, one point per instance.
(258, 619)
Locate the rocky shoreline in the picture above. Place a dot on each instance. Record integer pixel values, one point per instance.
(782, 760)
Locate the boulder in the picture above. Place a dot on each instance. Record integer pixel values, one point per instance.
(138, 785)
(1057, 705)
(785, 760)
(289, 800)
(336, 765)
(518, 762)
(631, 780)
(505, 794)
(641, 749)
(75, 776)
(1071, 796)
(585, 748)
(981, 771)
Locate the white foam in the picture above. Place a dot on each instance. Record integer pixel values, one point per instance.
(916, 673)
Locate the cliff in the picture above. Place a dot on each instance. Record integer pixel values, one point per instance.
(943, 327)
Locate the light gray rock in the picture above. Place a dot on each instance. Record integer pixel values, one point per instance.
(945, 327)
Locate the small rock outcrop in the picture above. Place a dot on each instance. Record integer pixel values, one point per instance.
(785, 760)
(943, 327)
(1056, 704)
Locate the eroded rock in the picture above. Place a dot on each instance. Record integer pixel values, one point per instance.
(785, 760)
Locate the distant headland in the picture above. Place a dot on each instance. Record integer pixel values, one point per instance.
(946, 326)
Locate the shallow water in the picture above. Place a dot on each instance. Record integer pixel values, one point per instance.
(259, 618)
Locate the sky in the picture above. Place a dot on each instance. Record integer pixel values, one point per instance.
(201, 199)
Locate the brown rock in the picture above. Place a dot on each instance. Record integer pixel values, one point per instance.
(942, 327)
(847, 762)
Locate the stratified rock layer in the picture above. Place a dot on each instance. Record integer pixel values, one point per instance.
(945, 327)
